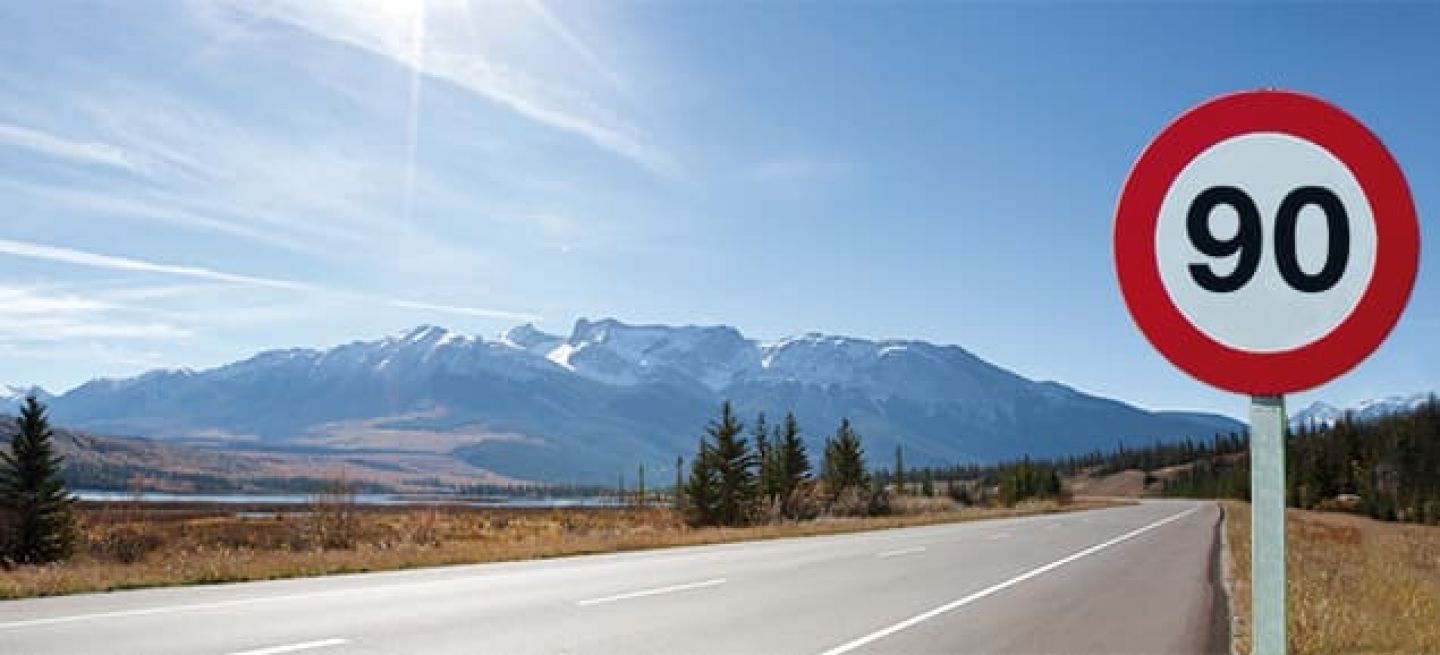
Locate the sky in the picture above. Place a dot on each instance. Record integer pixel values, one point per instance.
(187, 183)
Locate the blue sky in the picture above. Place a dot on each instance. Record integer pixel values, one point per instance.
(188, 182)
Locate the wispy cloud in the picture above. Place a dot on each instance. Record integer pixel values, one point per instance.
(321, 194)
(163, 209)
(95, 260)
(449, 53)
(33, 314)
(126, 264)
(574, 42)
(50, 145)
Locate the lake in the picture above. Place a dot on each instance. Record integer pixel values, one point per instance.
(362, 499)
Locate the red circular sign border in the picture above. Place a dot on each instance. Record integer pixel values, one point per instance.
(1397, 235)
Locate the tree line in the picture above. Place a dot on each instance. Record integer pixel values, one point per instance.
(739, 476)
(737, 480)
(1386, 468)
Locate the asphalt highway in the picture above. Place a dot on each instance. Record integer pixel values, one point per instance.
(1137, 579)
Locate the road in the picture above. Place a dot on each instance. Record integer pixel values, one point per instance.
(1135, 579)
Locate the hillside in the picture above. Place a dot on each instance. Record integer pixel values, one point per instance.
(102, 462)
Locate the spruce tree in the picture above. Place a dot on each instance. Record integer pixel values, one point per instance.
(701, 492)
(734, 464)
(844, 466)
(899, 470)
(38, 508)
(765, 459)
(794, 461)
(640, 491)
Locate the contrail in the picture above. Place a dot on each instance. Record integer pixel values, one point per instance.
(114, 263)
(574, 42)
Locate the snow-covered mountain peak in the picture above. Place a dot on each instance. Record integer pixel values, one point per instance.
(528, 337)
(1323, 414)
(613, 352)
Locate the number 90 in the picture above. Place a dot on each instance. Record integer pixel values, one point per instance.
(1248, 240)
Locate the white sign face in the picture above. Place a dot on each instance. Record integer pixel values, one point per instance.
(1265, 242)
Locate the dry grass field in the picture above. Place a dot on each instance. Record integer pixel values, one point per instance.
(128, 546)
(1356, 585)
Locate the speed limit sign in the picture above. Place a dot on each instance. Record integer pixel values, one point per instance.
(1266, 242)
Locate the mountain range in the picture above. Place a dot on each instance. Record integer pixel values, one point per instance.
(1322, 414)
(593, 405)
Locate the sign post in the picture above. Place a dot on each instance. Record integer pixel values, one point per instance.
(1267, 523)
(1266, 243)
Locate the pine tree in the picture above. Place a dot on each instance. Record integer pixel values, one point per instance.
(702, 491)
(765, 458)
(844, 466)
(793, 459)
(899, 470)
(640, 491)
(38, 508)
(791, 465)
(734, 464)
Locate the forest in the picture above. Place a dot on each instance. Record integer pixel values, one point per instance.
(1387, 468)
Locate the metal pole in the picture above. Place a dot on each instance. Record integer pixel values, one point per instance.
(1267, 524)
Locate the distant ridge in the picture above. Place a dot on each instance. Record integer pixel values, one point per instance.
(610, 395)
(1321, 414)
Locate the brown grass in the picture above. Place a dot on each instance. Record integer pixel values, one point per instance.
(1355, 585)
(126, 547)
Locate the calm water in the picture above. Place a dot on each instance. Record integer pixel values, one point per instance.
(364, 499)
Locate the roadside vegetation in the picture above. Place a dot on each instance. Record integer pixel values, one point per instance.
(1387, 469)
(767, 477)
(1356, 585)
(736, 491)
(125, 545)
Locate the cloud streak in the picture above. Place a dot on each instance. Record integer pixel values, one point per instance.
(37, 315)
(575, 43)
(386, 30)
(89, 153)
(126, 264)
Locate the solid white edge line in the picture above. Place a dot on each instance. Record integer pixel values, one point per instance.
(651, 592)
(902, 551)
(292, 648)
(955, 604)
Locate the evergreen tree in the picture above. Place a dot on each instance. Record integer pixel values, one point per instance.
(927, 483)
(794, 461)
(734, 464)
(702, 491)
(899, 470)
(765, 458)
(640, 491)
(844, 465)
(38, 509)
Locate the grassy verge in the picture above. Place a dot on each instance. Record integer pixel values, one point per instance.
(126, 547)
(1355, 585)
